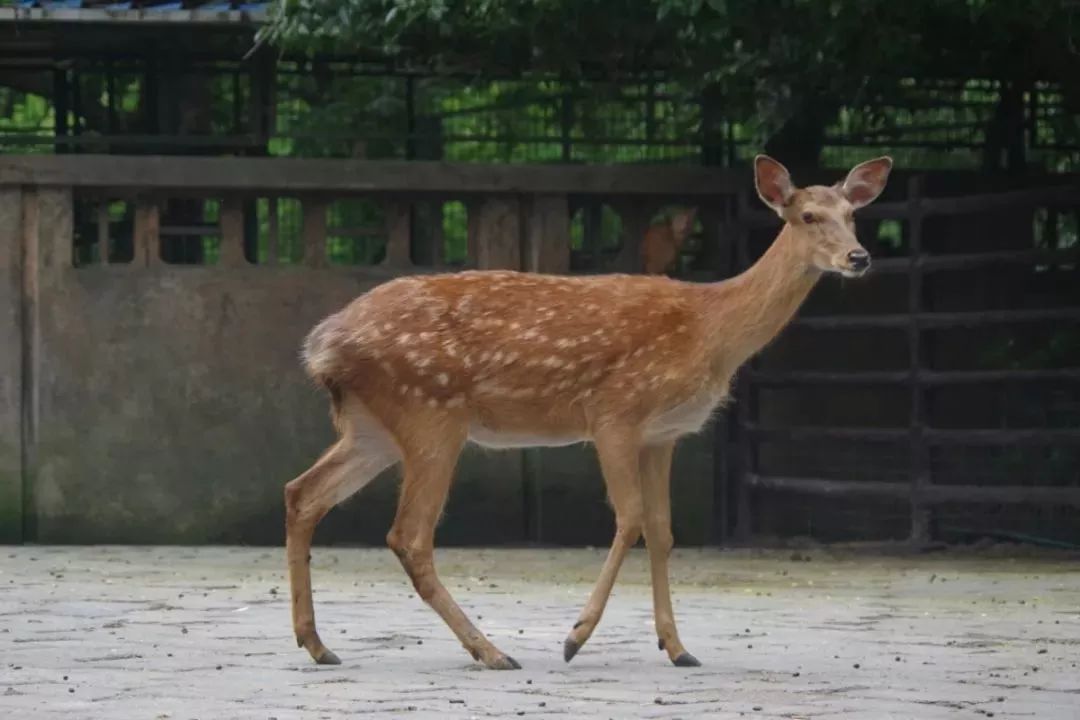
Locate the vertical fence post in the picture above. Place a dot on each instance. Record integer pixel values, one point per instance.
(147, 232)
(635, 215)
(566, 123)
(273, 230)
(314, 231)
(398, 234)
(919, 456)
(497, 234)
(231, 223)
(410, 117)
(547, 234)
(102, 217)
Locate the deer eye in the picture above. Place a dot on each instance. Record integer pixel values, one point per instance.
(808, 217)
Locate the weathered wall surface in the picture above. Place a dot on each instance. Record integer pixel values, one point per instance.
(170, 406)
(173, 409)
(10, 366)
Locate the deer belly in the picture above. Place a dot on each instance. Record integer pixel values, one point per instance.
(504, 439)
(684, 419)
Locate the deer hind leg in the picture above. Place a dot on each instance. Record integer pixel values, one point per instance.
(428, 472)
(363, 451)
(618, 452)
(656, 491)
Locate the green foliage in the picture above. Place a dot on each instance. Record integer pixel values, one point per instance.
(769, 58)
(25, 115)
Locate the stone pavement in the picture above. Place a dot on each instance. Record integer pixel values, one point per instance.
(107, 632)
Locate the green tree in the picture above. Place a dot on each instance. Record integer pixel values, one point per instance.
(787, 65)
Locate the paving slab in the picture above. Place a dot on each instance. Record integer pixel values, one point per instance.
(204, 633)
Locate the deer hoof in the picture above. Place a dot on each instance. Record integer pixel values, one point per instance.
(569, 649)
(504, 662)
(327, 657)
(686, 660)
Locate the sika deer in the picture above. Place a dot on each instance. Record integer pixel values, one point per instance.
(663, 240)
(419, 366)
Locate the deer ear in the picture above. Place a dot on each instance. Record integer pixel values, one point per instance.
(773, 183)
(683, 220)
(866, 181)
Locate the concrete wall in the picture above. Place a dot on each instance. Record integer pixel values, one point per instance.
(11, 503)
(168, 405)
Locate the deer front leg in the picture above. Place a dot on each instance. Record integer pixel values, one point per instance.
(426, 483)
(656, 490)
(618, 453)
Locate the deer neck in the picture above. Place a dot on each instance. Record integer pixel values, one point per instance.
(746, 312)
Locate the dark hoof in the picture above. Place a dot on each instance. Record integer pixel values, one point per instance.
(569, 649)
(686, 660)
(506, 663)
(328, 658)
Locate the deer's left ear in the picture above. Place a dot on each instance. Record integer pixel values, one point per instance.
(866, 181)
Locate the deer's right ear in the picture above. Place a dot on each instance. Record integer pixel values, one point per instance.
(773, 183)
(683, 221)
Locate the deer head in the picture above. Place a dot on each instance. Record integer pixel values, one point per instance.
(821, 219)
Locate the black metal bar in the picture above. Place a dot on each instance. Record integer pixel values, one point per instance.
(964, 261)
(788, 378)
(76, 102)
(1006, 495)
(932, 495)
(237, 104)
(110, 91)
(1004, 436)
(60, 110)
(181, 230)
(410, 117)
(919, 457)
(931, 320)
(356, 230)
(975, 377)
(650, 111)
(932, 436)
(261, 100)
(818, 486)
(928, 378)
(566, 125)
(825, 432)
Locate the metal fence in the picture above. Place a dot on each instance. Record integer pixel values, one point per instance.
(177, 100)
(921, 448)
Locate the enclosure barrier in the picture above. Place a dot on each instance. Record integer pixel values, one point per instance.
(920, 492)
(149, 383)
(158, 305)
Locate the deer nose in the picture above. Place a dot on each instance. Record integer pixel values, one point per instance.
(859, 259)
